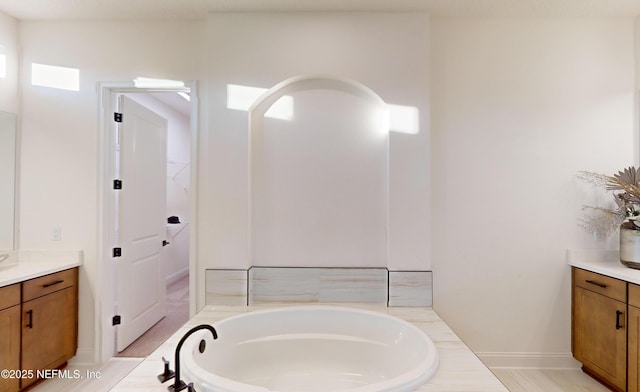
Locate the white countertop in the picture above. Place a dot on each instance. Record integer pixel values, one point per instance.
(605, 262)
(459, 369)
(25, 265)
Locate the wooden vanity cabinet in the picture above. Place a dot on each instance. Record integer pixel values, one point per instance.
(633, 339)
(49, 322)
(599, 327)
(10, 335)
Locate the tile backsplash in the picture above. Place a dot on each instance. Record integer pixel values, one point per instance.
(318, 285)
(226, 287)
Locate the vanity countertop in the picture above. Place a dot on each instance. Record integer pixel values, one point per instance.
(605, 262)
(25, 265)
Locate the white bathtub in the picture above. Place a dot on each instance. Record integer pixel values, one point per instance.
(310, 349)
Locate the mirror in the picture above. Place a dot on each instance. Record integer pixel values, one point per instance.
(8, 124)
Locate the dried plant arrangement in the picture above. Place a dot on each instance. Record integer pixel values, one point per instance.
(626, 193)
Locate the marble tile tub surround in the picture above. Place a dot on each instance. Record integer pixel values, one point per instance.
(459, 370)
(293, 284)
(226, 287)
(410, 288)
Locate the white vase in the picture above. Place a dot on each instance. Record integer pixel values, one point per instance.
(629, 246)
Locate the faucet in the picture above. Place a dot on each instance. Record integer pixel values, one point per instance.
(179, 385)
(167, 374)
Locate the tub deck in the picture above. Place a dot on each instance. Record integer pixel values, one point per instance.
(459, 371)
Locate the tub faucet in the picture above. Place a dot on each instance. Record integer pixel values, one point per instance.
(179, 385)
(167, 374)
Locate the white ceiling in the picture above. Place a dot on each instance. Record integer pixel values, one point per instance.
(197, 9)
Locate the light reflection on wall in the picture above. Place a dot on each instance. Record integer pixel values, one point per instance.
(242, 97)
(52, 76)
(403, 119)
(397, 118)
(143, 82)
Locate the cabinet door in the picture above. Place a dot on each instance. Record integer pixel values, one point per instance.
(633, 361)
(600, 336)
(49, 331)
(10, 346)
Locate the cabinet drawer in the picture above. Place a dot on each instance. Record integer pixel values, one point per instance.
(605, 285)
(44, 285)
(9, 296)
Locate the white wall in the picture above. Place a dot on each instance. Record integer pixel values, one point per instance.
(518, 107)
(60, 129)
(319, 184)
(264, 49)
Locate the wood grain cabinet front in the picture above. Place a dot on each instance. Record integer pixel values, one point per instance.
(633, 339)
(49, 322)
(600, 336)
(10, 335)
(605, 334)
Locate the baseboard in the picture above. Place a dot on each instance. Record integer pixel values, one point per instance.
(84, 356)
(176, 276)
(517, 360)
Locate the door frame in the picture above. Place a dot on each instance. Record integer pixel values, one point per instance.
(104, 336)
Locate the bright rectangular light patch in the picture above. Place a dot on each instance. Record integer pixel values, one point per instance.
(3, 66)
(403, 119)
(242, 97)
(141, 82)
(55, 77)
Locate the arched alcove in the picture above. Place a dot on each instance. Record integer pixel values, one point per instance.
(318, 183)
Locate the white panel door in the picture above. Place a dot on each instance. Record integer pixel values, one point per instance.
(140, 280)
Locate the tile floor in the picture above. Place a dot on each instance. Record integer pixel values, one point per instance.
(548, 380)
(94, 378)
(516, 380)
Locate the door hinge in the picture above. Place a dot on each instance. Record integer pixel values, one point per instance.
(117, 117)
(117, 184)
(116, 320)
(117, 252)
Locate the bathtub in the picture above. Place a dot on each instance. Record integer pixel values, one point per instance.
(310, 349)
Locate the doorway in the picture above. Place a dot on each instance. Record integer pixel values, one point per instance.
(179, 106)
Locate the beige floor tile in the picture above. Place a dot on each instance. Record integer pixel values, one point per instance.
(548, 380)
